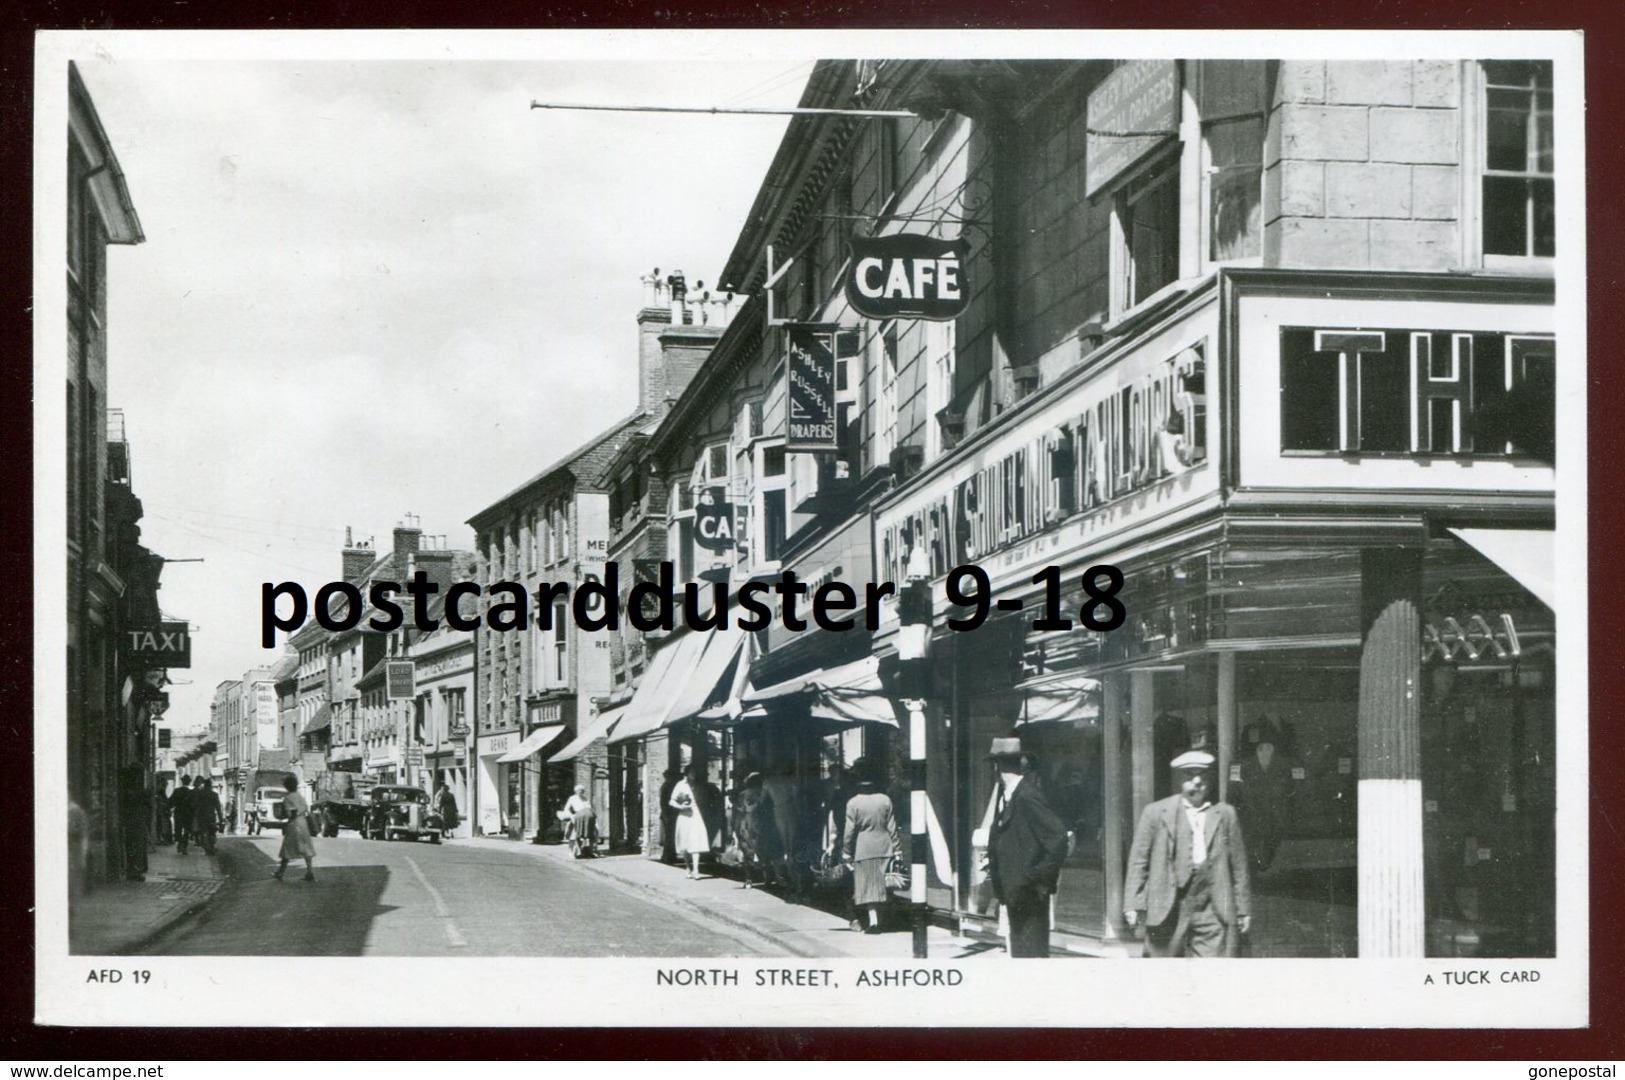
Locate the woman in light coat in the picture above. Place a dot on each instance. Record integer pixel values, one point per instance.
(869, 846)
(296, 841)
(691, 835)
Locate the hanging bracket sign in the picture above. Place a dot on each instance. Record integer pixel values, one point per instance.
(809, 373)
(907, 276)
(398, 680)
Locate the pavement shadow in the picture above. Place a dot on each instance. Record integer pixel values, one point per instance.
(331, 916)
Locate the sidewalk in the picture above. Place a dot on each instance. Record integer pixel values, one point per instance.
(801, 929)
(121, 916)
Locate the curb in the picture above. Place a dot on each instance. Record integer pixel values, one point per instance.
(179, 915)
(782, 940)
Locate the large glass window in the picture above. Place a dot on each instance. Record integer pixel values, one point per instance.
(1148, 217)
(1518, 203)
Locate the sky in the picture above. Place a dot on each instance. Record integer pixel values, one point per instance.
(374, 287)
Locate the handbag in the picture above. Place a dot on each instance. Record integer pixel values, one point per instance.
(897, 875)
(829, 871)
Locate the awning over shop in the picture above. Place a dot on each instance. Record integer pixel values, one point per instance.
(657, 690)
(692, 676)
(1074, 698)
(848, 694)
(1527, 555)
(599, 726)
(532, 743)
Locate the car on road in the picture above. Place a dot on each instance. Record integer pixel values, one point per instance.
(401, 811)
(341, 802)
(267, 809)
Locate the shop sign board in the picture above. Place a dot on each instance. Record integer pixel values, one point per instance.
(1394, 390)
(398, 680)
(496, 744)
(1131, 113)
(906, 275)
(844, 557)
(714, 521)
(414, 755)
(167, 645)
(1128, 444)
(809, 385)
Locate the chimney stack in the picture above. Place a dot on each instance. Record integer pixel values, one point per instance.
(356, 558)
(407, 541)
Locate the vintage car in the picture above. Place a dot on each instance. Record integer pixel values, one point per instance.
(341, 802)
(398, 810)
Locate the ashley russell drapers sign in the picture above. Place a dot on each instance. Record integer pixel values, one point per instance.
(809, 374)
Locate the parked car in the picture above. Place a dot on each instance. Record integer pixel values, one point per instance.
(268, 809)
(398, 810)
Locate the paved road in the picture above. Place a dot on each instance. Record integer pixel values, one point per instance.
(478, 898)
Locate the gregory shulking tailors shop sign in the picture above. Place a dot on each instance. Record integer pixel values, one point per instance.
(1103, 456)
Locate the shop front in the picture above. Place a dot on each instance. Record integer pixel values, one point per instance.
(534, 789)
(496, 786)
(660, 730)
(1376, 687)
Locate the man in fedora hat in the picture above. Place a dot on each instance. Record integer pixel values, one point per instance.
(1187, 870)
(1025, 849)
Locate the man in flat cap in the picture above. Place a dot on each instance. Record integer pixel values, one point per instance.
(1187, 877)
(1026, 847)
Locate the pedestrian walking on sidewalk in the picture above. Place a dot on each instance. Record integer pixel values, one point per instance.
(231, 814)
(1187, 879)
(447, 804)
(205, 815)
(1025, 850)
(180, 808)
(869, 845)
(166, 816)
(758, 830)
(668, 817)
(296, 839)
(690, 833)
(580, 823)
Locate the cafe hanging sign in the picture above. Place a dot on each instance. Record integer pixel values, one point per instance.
(907, 276)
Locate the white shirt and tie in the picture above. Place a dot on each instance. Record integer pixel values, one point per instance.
(1194, 814)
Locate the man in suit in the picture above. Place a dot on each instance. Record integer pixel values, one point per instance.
(180, 805)
(1187, 876)
(1025, 850)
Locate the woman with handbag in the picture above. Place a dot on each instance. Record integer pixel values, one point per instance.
(296, 840)
(869, 846)
(691, 833)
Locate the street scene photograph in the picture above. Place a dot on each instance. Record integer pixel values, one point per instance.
(803, 517)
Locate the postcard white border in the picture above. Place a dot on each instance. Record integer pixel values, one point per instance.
(1081, 993)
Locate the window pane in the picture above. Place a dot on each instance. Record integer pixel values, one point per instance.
(1518, 72)
(772, 524)
(773, 461)
(1236, 192)
(1541, 196)
(1506, 215)
(1152, 229)
(1507, 130)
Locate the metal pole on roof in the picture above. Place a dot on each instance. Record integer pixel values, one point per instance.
(719, 110)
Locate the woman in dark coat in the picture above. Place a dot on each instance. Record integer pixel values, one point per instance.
(869, 845)
(758, 830)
